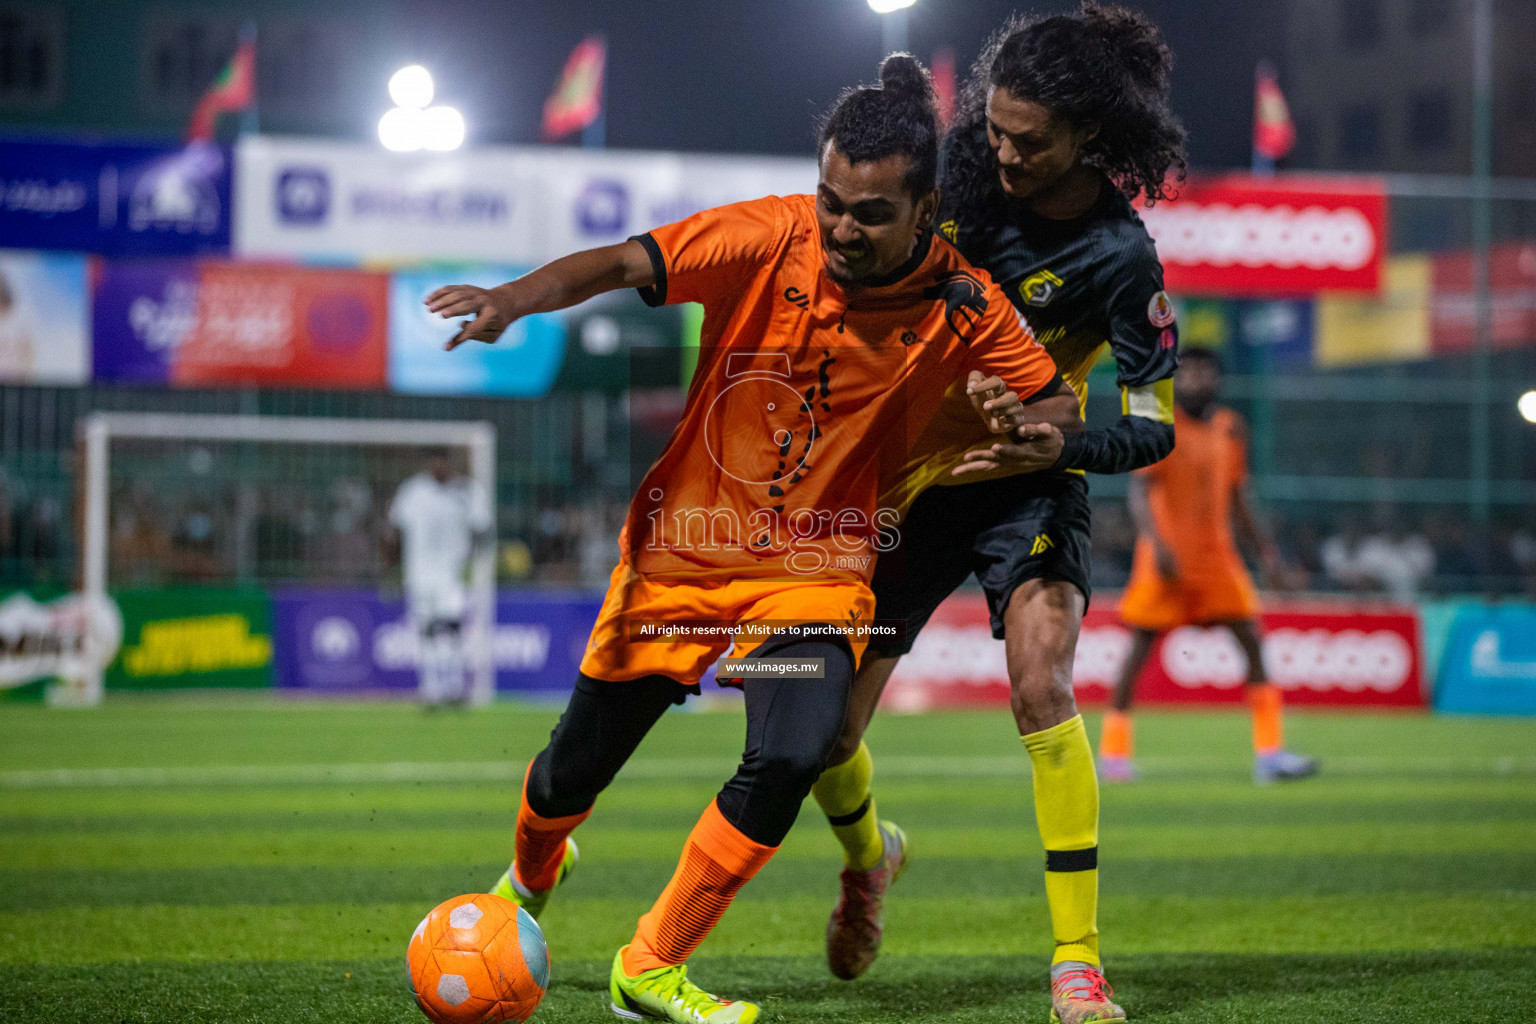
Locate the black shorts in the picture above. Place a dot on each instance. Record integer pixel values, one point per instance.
(1007, 531)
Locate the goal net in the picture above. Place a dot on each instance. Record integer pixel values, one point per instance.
(175, 500)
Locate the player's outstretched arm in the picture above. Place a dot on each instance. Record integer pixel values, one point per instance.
(1140, 505)
(563, 283)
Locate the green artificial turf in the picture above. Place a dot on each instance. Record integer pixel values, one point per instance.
(244, 859)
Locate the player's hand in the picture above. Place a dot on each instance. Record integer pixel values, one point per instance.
(490, 310)
(999, 408)
(1039, 446)
(1167, 561)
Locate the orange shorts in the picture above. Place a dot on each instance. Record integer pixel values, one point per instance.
(617, 651)
(1220, 592)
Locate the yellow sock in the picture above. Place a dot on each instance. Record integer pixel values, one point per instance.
(1067, 810)
(843, 793)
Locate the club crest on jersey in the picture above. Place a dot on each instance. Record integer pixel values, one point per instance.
(1160, 310)
(965, 301)
(949, 229)
(1039, 288)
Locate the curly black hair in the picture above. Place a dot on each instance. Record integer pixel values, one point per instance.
(898, 116)
(1104, 65)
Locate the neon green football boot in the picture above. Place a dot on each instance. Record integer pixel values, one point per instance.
(665, 993)
(531, 900)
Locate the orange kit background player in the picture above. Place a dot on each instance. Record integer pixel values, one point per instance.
(1187, 569)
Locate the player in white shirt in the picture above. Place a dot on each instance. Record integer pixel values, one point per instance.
(441, 518)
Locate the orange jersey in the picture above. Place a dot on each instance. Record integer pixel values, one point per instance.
(806, 396)
(1190, 492)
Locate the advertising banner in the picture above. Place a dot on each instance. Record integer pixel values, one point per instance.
(69, 636)
(193, 638)
(1290, 235)
(1453, 303)
(522, 364)
(212, 323)
(44, 318)
(117, 199)
(1393, 326)
(335, 200)
(354, 641)
(1489, 667)
(1325, 655)
(602, 197)
(339, 200)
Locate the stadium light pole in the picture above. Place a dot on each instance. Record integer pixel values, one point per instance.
(1482, 241)
(893, 22)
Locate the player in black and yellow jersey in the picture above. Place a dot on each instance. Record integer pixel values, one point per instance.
(1064, 121)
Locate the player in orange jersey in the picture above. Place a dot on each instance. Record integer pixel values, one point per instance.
(833, 325)
(1187, 569)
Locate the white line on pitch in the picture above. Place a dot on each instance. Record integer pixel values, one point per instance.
(901, 766)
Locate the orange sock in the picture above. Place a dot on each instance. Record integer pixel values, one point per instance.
(540, 843)
(1266, 702)
(717, 861)
(1117, 737)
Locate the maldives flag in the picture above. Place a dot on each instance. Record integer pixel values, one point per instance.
(1273, 132)
(234, 89)
(578, 100)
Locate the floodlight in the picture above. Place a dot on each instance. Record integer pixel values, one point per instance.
(402, 129)
(442, 128)
(1527, 406)
(889, 6)
(411, 87)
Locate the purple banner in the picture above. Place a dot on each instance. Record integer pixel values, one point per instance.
(142, 311)
(340, 641)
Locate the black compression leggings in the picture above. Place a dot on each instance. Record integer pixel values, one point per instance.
(792, 725)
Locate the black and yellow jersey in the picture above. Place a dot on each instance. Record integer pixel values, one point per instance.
(1081, 284)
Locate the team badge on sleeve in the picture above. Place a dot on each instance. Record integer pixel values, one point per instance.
(1160, 310)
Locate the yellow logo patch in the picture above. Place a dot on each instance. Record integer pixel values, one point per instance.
(1039, 288)
(1042, 544)
(949, 229)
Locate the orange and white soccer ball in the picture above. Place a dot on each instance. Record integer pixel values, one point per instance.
(478, 959)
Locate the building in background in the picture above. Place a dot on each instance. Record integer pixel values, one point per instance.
(1386, 85)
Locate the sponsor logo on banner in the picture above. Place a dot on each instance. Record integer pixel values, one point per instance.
(44, 318)
(303, 195)
(602, 208)
(115, 199)
(340, 640)
(67, 637)
(1271, 236)
(1320, 655)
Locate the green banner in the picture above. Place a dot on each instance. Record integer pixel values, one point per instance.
(195, 638)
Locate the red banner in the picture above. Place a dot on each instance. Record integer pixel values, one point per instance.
(1241, 235)
(292, 326)
(1319, 654)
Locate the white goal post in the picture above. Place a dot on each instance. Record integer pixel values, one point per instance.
(97, 431)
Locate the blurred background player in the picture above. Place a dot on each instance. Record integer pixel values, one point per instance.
(439, 517)
(881, 315)
(1065, 119)
(1187, 568)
